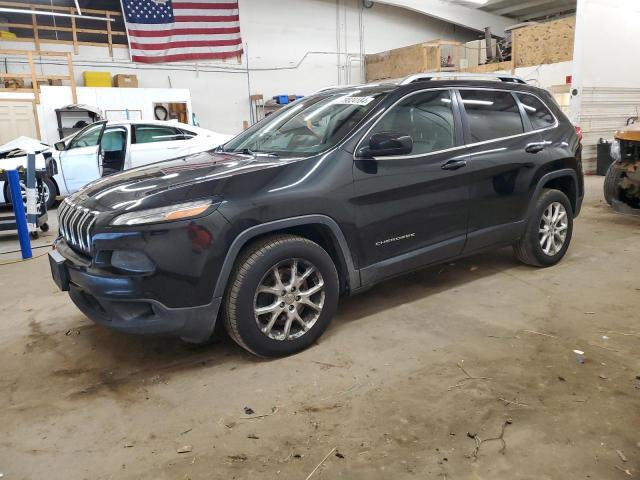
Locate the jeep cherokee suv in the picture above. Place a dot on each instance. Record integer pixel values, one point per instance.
(334, 193)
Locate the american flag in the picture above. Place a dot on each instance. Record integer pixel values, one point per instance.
(176, 30)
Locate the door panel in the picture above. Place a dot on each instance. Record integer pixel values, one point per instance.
(79, 167)
(79, 162)
(503, 168)
(16, 119)
(405, 205)
(410, 205)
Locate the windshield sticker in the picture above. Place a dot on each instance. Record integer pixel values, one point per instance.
(355, 101)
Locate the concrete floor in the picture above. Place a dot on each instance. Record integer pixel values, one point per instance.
(385, 386)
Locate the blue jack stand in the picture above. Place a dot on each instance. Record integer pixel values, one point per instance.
(19, 221)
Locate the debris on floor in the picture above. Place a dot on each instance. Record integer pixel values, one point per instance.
(621, 455)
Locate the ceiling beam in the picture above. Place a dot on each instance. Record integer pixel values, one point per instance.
(518, 7)
(548, 12)
(466, 17)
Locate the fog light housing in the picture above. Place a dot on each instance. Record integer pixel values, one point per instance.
(132, 261)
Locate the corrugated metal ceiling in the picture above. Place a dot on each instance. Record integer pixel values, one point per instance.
(525, 10)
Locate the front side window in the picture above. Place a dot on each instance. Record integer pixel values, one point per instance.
(538, 114)
(491, 114)
(427, 117)
(308, 126)
(157, 133)
(114, 139)
(87, 138)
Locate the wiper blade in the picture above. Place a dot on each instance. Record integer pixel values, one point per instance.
(246, 151)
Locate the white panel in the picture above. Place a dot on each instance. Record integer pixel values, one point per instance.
(16, 119)
(603, 111)
(293, 49)
(605, 71)
(141, 99)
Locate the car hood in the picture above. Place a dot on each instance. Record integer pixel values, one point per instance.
(172, 181)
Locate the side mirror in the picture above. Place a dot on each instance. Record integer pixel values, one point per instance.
(386, 144)
(60, 146)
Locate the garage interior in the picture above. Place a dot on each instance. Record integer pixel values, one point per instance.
(476, 368)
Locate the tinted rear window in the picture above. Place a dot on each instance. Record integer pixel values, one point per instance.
(491, 114)
(538, 114)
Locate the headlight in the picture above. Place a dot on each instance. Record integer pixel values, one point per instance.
(616, 153)
(170, 213)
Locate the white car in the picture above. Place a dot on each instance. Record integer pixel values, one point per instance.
(107, 147)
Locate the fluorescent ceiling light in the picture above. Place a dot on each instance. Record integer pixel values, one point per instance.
(52, 14)
(479, 2)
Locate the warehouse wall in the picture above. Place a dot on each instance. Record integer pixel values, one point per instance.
(294, 47)
(605, 70)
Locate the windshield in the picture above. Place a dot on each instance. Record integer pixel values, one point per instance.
(308, 126)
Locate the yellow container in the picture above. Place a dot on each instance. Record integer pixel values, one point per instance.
(96, 79)
(8, 35)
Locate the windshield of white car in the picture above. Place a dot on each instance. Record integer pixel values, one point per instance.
(306, 127)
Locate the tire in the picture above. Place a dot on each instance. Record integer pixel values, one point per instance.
(611, 188)
(529, 248)
(48, 184)
(256, 267)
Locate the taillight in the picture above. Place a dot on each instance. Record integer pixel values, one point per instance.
(579, 132)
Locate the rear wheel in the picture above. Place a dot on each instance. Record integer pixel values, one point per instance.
(611, 183)
(282, 296)
(50, 192)
(548, 231)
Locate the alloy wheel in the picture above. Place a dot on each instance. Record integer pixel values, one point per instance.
(23, 191)
(289, 299)
(554, 225)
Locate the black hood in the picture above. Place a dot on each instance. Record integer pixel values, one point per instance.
(183, 179)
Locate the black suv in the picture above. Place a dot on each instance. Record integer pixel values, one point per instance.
(334, 193)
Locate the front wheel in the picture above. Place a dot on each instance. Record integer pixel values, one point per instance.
(282, 296)
(548, 231)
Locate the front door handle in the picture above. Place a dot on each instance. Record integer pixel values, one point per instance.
(535, 147)
(454, 164)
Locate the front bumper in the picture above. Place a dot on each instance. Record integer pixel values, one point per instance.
(119, 302)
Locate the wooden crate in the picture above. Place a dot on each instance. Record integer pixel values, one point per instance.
(549, 42)
(490, 68)
(400, 62)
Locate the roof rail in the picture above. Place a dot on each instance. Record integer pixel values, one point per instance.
(420, 77)
(334, 87)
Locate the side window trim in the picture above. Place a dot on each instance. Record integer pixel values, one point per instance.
(526, 121)
(556, 122)
(458, 138)
(84, 130)
(134, 140)
(465, 123)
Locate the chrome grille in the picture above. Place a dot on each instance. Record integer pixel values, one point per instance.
(76, 225)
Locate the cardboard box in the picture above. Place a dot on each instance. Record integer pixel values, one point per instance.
(14, 82)
(55, 82)
(96, 79)
(125, 81)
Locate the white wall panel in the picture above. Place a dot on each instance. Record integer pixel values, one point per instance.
(293, 48)
(605, 69)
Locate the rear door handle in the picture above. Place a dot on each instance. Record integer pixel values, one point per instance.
(535, 147)
(454, 164)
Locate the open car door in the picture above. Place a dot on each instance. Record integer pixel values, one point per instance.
(79, 160)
